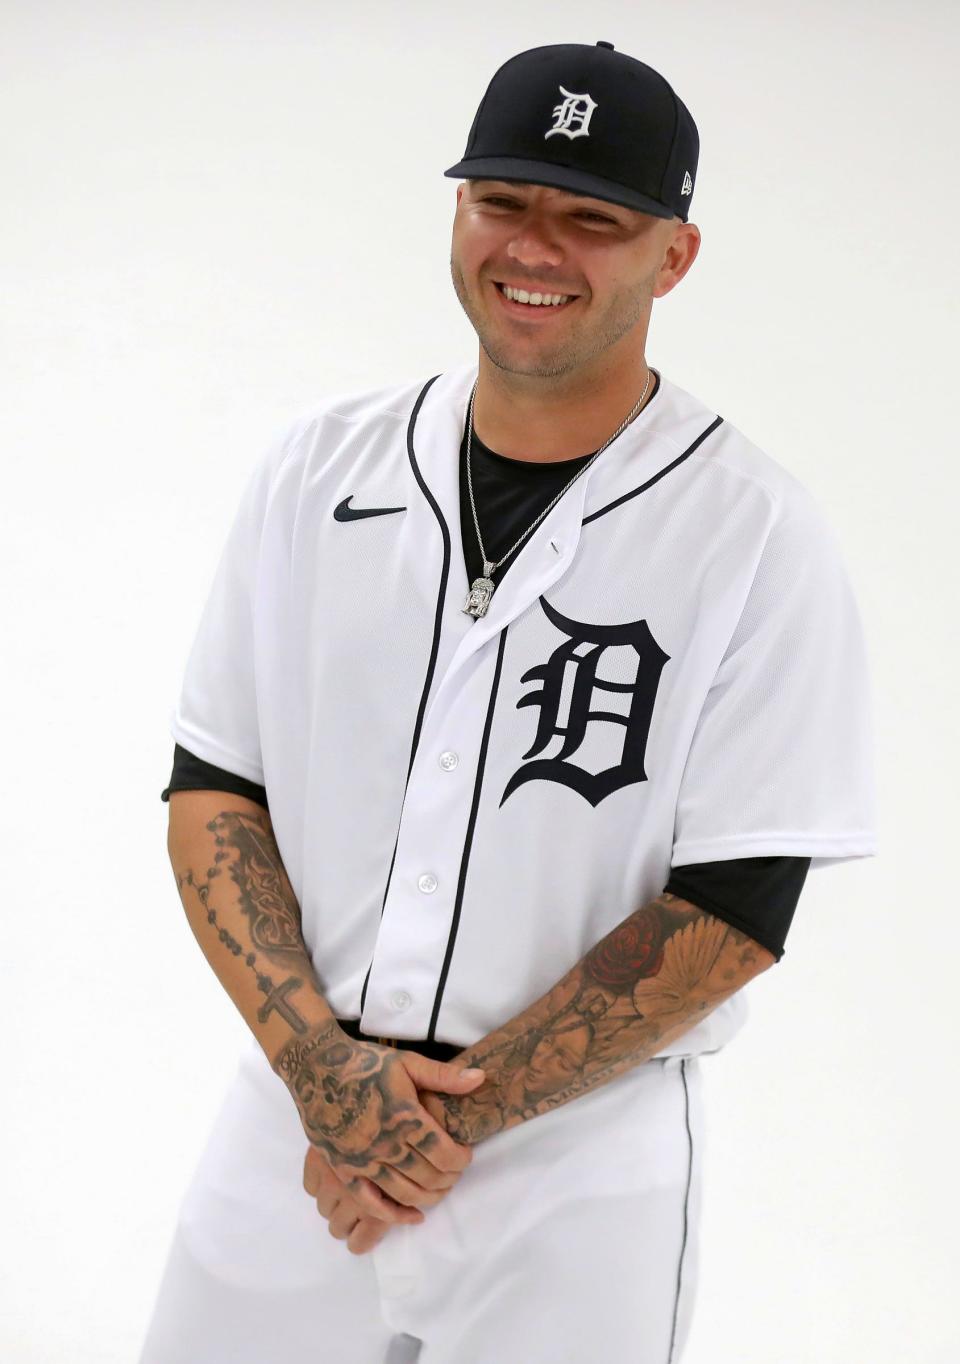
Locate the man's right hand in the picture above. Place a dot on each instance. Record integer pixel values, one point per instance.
(359, 1106)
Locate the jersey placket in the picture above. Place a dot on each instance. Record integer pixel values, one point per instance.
(431, 865)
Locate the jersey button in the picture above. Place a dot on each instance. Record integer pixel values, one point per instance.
(449, 760)
(428, 883)
(400, 999)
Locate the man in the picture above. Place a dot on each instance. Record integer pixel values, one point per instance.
(513, 759)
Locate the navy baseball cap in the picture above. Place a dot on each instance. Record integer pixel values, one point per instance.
(590, 120)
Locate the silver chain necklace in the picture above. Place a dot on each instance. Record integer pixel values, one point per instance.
(482, 589)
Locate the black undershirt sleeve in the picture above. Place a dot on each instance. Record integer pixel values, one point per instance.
(191, 773)
(758, 895)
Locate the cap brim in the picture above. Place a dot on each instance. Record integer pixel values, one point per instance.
(514, 168)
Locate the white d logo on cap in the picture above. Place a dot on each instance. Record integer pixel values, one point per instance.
(575, 111)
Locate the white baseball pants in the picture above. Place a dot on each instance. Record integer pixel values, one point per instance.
(571, 1237)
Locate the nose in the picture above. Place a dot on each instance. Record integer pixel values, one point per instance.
(531, 245)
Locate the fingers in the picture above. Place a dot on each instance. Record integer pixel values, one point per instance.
(408, 1179)
(344, 1214)
(328, 1189)
(391, 1126)
(315, 1169)
(439, 1149)
(399, 1147)
(393, 1186)
(346, 1220)
(431, 1141)
(361, 1234)
(365, 1235)
(416, 1169)
(420, 1166)
(374, 1202)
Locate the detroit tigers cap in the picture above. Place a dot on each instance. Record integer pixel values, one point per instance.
(590, 120)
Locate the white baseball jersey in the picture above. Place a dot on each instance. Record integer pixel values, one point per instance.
(672, 671)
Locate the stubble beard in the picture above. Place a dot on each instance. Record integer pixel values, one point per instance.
(577, 349)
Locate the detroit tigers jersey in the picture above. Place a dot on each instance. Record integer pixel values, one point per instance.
(673, 671)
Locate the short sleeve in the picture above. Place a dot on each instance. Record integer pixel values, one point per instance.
(191, 773)
(758, 895)
(781, 761)
(215, 717)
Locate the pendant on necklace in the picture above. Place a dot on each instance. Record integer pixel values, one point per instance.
(481, 590)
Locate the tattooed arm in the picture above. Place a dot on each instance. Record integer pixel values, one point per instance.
(643, 985)
(358, 1102)
(244, 914)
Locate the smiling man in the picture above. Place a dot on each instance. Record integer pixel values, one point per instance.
(559, 289)
(522, 701)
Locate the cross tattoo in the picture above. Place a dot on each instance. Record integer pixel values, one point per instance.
(277, 1000)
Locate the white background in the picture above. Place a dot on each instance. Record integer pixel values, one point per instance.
(213, 214)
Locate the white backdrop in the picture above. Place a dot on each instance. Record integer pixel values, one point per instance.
(214, 214)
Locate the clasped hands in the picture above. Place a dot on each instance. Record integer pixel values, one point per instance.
(362, 1201)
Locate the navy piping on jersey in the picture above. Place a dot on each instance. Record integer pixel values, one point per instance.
(686, 1202)
(434, 648)
(468, 840)
(635, 492)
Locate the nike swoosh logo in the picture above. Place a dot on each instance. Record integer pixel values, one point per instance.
(344, 512)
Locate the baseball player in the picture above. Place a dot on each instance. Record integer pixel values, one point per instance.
(523, 699)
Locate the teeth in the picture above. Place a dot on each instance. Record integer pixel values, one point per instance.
(537, 300)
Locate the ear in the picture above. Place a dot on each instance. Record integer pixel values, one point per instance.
(459, 193)
(680, 255)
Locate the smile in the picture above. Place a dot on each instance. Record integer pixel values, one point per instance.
(522, 303)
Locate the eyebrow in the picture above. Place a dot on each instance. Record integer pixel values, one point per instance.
(563, 193)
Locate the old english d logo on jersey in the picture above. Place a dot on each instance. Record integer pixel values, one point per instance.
(647, 660)
(574, 113)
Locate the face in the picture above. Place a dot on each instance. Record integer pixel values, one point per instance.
(556, 1060)
(609, 262)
